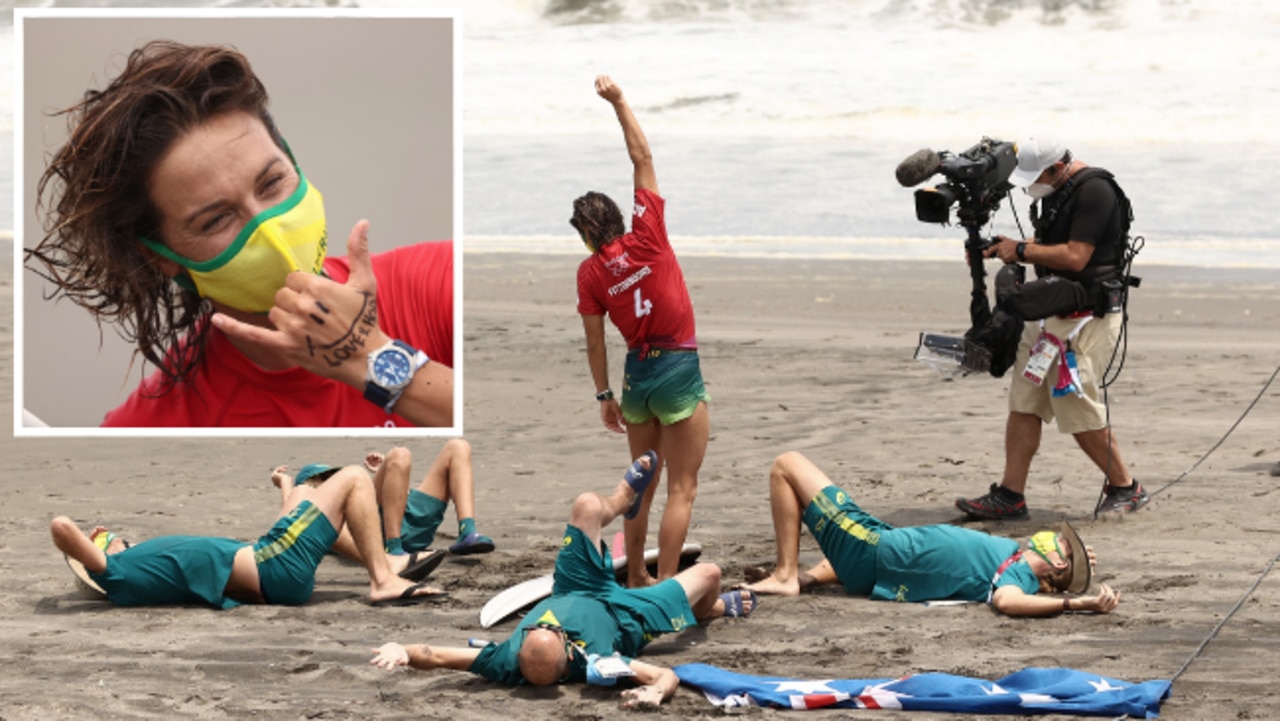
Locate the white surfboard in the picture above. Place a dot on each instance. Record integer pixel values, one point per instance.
(526, 593)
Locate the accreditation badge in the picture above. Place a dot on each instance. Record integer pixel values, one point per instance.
(1042, 355)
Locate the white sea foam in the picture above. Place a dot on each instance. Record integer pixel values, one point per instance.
(783, 119)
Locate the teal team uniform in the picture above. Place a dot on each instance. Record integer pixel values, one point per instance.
(290, 552)
(665, 384)
(176, 570)
(171, 570)
(598, 614)
(423, 514)
(919, 563)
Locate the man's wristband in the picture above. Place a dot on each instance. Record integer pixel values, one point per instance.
(605, 395)
(1066, 605)
(1021, 251)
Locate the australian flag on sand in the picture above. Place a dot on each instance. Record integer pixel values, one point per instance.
(1029, 691)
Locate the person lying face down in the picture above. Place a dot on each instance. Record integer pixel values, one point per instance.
(591, 627)
(279, 568)
(872, 558)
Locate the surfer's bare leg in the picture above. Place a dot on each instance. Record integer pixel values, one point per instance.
(592, 511)
(793, 482)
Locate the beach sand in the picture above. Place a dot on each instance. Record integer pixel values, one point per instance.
(802, 355)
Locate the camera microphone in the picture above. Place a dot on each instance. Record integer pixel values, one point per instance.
(918, 167)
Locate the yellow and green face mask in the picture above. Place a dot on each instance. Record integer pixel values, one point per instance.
(279, 240)
(1044, 542)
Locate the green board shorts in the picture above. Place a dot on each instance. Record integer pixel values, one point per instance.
(290, 552)
(666, 385)
(423, 514)
(582, 567)
(848, 537)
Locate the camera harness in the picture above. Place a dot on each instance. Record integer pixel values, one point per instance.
(1130, 247)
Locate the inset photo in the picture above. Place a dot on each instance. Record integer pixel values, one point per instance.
(235, 222)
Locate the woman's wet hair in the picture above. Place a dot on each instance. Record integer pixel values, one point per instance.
(597, 216)
(94, 202)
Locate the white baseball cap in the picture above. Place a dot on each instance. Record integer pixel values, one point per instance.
(1034, 155)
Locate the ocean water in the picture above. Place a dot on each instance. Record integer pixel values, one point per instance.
(776, 125)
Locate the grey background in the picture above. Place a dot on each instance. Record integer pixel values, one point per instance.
(365, 103)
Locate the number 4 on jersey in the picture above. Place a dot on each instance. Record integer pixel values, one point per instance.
(643, 306)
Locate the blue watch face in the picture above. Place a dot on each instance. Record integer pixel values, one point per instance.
(391, 369)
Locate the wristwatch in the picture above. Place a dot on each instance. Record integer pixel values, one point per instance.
(605, 395)
(1021, 251)
(391, 367)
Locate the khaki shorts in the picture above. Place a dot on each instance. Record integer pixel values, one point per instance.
(1093, 347)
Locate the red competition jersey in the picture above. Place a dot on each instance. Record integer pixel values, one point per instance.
(636, 279)
(415, 304)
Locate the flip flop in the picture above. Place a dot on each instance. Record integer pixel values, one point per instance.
(421, 564)
(639, 479)
(407, 597)
(733, 603)
(472, 543)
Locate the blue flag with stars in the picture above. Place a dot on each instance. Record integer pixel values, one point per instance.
(1029, 691)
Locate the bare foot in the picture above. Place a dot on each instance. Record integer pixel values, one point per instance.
(280, 477)
(398, 562)
(373, 460)
(773, 585)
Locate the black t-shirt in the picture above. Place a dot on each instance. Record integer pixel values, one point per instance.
(1095, 217)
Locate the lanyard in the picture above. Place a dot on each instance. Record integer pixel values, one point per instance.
(1000, 572)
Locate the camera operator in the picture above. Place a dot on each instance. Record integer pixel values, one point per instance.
(1081, 223)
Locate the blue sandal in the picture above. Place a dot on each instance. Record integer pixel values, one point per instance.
(639, 479)
(733, 606)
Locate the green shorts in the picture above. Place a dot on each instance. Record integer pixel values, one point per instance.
(290, 552)
(581, 567)
(848, 537)
(423, 514)
(666, 385)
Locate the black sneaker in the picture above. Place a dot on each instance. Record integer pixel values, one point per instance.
(998, 504)
(1123, 500)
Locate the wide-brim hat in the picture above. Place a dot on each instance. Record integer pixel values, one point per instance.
(1034, 155)
(84, 582)
(1081, 570)
(317, 472)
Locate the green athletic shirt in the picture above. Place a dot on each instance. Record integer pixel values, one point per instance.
(171, 570)
(586, 620)
(923, 563)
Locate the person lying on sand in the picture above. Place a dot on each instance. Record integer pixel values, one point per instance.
(279, 568)
(872, 558)
(591, 627)
(410, 517)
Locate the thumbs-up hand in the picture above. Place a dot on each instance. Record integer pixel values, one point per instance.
(326, 327)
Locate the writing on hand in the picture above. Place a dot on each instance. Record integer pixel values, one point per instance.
(349, 344)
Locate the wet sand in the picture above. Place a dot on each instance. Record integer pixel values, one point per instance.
(798, 355)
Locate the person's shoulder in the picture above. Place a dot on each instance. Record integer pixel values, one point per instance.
(1096, 185)
(497, 662)
(160, 403)
(647, 202)
(589, 265)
